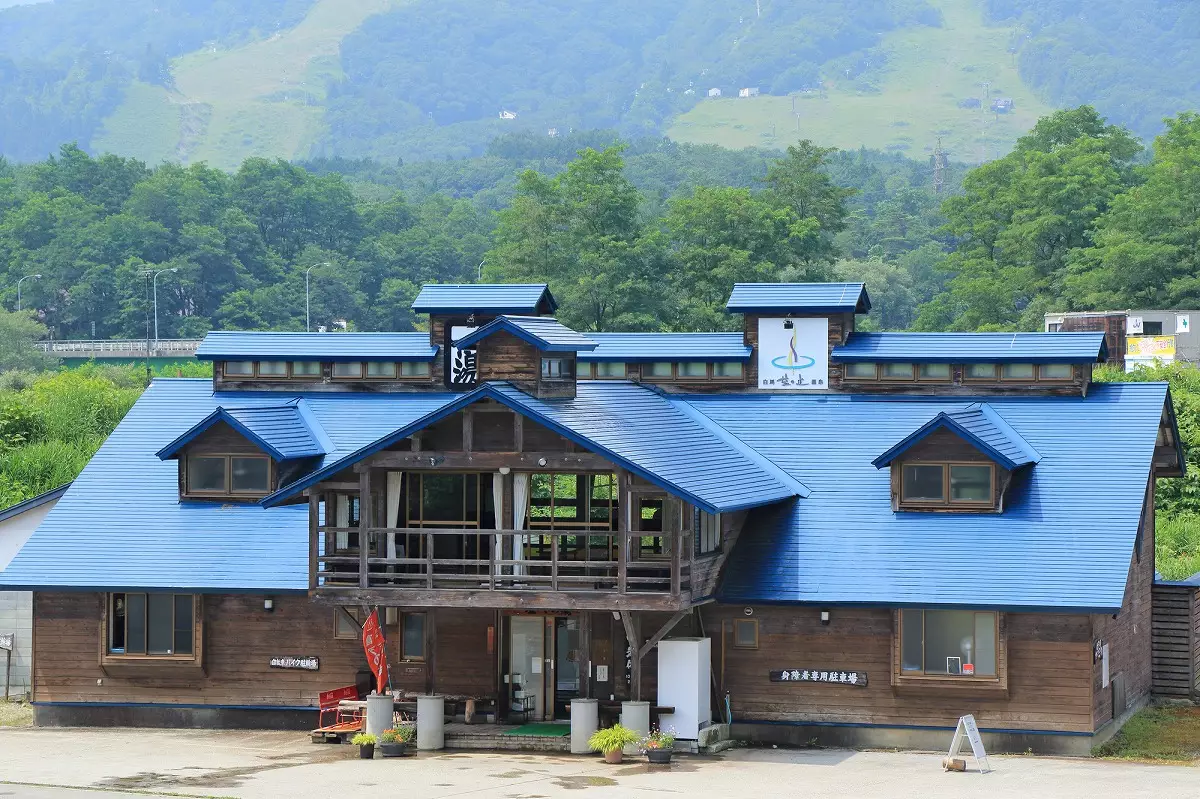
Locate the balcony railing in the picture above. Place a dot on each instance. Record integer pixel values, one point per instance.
(569, 561)
(117, 347)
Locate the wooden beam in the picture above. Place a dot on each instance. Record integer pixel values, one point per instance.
(488, 461)
(631, 623)
(314, 509)
(623, 516)
(349, 594)
(364, 522)
(662, 632)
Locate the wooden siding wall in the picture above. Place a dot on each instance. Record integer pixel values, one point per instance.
(706, 569)
(1129, 635)
(1048, 659)
(240, 638)
(1176, 634)
(503, 356)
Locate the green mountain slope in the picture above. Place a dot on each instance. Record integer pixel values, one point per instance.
(914, 100)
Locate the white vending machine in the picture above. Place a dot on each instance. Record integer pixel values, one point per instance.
(685, 683)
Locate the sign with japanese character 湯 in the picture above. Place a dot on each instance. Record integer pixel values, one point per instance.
(837, 677)
(303, 662)
(462, 364)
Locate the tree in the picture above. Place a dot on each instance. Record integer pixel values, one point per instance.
(1147, 247)
(801, 183)
(1020, 218)
(18, 332)
(581, 232)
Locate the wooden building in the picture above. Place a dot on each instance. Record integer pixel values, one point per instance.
(877, 533)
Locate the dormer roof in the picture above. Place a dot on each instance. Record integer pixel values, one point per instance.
(808, 298)
(230, 345)
(487, 298)
(543, 332)
(282, 431)
(971, 348)
(981, 426)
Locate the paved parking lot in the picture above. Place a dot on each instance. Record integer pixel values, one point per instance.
(84, 763)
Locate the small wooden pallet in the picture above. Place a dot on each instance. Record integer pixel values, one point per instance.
(337, 733)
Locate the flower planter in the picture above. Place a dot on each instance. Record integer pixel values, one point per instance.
(396, 750)
(366, 751)
(613, 757)
(660, 756)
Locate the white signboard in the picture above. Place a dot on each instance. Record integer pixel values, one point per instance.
(793, 354)
(1183, 323)
(968, 730)
(1104, 678)
(1134, 326)
(462, 366)
(6, 642)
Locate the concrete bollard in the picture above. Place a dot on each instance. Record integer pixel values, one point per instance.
(635, 716)
(379, 714)
(585, 720)
(431, 723)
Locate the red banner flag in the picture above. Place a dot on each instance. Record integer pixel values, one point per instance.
(376, 649)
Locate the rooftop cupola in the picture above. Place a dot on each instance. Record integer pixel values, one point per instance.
(793, 326)
(457, 309)
(535, 353)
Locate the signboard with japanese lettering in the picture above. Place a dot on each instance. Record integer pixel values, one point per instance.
(967, 731)
(303, 662)
(462, 365)
(6, 642)
(857, 678)
(793, 354)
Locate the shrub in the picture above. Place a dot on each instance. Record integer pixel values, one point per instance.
(612, 739)
(363, 739)
(403, 734)
(659, 739)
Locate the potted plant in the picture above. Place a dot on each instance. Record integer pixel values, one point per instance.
(659, 745)
(397, 742)
(366, 745)
(611, 741)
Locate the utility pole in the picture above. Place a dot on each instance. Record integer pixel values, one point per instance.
(939, 167)
(146, 274)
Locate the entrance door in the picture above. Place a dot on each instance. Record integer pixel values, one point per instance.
(527, 678)
(567, 665)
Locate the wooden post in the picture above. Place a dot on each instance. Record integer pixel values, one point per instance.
(429, 560)
(554, 560)
(585, 654)
(7, 670)
(632, 623)
(623, 517)
(676, 533)
(364, 523)
(314, 509)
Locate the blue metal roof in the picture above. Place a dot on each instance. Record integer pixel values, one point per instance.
(1064, 541)
(979, 424)
(798, 298)
(282, 431)
(33, 502)
(513, 298)
(972, 348)
(543, 332)
(222, 345)
(645, 347)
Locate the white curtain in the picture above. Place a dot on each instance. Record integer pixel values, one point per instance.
(393, 510)
(342, 520)
(498, 506)
(520, 507)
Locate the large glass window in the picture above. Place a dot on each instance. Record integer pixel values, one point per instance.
(228, 474)
(250, 475)
(946, 484)
(206, 474)
(957, 643)
(970, 483)
(923, 482)
(151, 624)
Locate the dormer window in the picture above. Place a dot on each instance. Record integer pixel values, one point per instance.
(381, 369)
(928, 485)
(348, 370)
(239, 369)
(228, 475)
(558, 368)
(306, 368)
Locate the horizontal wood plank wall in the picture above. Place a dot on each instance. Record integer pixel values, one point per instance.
(462, 663)
(1129, 636)
(1048, 670)
(706, 569)
(240, 640)
(1176, 619)
(503, 356)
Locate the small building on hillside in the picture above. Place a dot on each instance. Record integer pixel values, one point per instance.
(856, 537)
(714, 92)
(1002, 105)
(748, 92)
(508, 114)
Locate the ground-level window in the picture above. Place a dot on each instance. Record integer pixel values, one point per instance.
(959, 643)
(745, 633)
(412, 637)
(708, 532)
(151, 624)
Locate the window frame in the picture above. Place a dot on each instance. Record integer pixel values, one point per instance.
(401, 365)
(949, 378)
(424, 656)
(680, 377)
(349, 613)
(739, 378)
(649, 378)
(967, 378)
(227, 491)
(564, 376)
(109, 614)
(1042, 379)
(334, 376)
(708, 534)
(885, 378)
(901, 676)
(287, 370)
(1027, 380)
(872, 378)
(225, 373)
(946, 501)
(624, 375)
(366, 371)
(317, 375)
(733, 630)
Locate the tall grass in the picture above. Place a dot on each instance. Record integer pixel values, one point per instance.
(1177, 545)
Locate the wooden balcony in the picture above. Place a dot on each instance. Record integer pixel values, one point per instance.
(540, 568)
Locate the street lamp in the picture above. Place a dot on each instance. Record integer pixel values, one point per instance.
(307, 295)
(19, 282)
(154, 284)
(479, 276)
